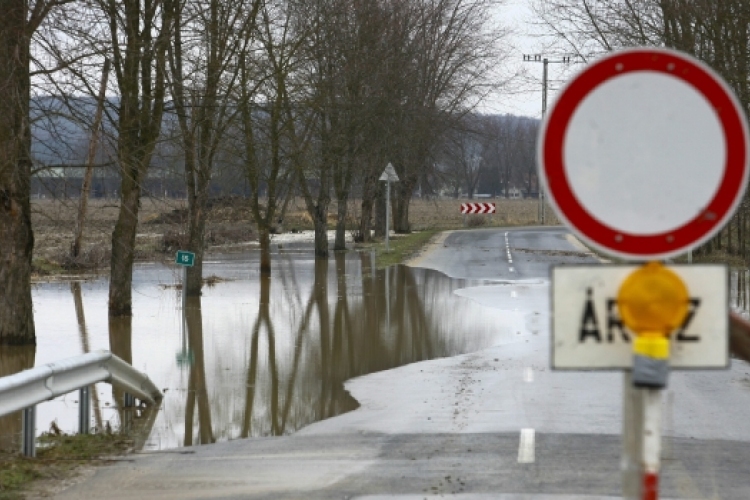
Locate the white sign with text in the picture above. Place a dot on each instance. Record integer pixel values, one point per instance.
(588, 334)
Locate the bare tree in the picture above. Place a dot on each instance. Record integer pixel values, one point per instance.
(267, 125)
(140, 33)
(200, 88)
(18, 22)
(452, 51)
(463, 154)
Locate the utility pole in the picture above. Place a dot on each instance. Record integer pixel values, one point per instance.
(537, 58)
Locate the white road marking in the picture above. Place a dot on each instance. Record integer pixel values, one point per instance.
(528, 374)
(507, 249)
(513, 294)
(511, 269)
(526, 447)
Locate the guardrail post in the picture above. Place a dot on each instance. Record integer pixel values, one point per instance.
(128, 400)
(28, 446)
(84, 410)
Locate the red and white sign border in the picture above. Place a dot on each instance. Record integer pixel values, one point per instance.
(694, 232)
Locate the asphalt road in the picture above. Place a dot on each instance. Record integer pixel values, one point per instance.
(495, 424)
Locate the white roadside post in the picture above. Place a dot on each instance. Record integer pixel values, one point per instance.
(388, 175)
(644, 156)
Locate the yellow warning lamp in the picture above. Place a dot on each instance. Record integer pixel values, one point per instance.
(653, 302)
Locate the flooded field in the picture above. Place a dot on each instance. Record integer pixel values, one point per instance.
(253, 357)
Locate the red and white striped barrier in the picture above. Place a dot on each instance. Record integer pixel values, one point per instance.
(478, 208)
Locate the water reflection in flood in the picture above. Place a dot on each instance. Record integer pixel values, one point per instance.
(255, 357)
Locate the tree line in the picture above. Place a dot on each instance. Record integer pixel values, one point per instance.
(305, 97)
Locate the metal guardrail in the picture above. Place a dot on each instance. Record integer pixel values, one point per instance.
(24, 390)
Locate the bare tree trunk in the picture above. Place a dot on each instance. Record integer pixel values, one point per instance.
(194, 320)
(380, 212)
(140, 70)
(340, 242)
(75, 249)
(196, 241)
(403, 199)
(264, 238)
(16, 237)
(365, 221)
(321, 231)
(14, 359)
(123, 250)
(121, 345)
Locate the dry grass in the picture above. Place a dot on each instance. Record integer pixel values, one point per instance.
(446, 214)
(163, 221)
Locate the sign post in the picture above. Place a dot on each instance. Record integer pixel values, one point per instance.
(185, 259)
(644, 156)
(389, 175)
(477, 208)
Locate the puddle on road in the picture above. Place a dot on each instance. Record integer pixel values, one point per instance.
(255, 357)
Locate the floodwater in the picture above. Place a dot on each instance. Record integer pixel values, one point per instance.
(253, 357)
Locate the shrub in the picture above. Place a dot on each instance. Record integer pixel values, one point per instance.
(476, 220)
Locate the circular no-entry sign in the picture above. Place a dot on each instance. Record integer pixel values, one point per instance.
(645, 154)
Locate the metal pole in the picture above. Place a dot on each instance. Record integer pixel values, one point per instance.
(184, 291)
(84, 410)
(387, 213)
(632, 432)
(544, 112)
(537, 58)
(28, 446)
(651, 443)
(128, 400)
(388, 301)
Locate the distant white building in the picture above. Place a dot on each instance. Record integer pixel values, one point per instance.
(513, 194)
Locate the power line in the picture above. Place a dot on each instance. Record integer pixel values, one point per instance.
(539, 58)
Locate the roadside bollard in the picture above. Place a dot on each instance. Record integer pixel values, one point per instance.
(84, 410)
(28, 431)
(653, 301)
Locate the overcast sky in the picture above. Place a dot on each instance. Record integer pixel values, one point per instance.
(525, 98)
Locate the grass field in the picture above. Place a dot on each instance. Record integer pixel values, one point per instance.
(230, 224)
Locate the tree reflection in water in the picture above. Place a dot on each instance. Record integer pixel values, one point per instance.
(342, 331)
(136, 422)
(262, 356)
(197, 388)
(13, 359)
(75, 288)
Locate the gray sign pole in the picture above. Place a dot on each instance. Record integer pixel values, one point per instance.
(387, 213)
(388, 175)
(185, 259)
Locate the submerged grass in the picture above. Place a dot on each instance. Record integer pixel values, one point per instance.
(401, 247)
(57, 458)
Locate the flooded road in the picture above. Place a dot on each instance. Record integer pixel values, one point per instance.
(255, 357)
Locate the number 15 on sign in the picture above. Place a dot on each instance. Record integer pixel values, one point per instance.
(185, 258)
